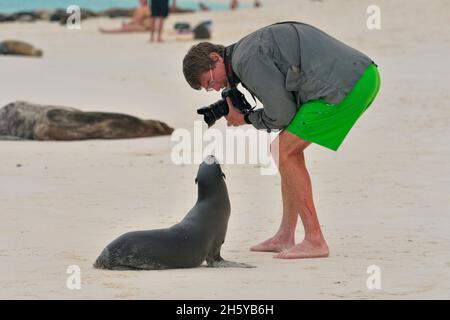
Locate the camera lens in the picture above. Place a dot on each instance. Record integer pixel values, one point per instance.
(214, 112)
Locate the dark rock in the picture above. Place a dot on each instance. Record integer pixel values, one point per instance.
(202, 31)
(117, 13)
(43, 14)
(58, 16)
(61, 16)
(24, 16)
(7, 18)
(179, 10)
(86, 13)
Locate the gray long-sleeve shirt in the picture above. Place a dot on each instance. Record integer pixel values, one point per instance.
(286, 65)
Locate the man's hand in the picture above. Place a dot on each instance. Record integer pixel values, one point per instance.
(234, 117)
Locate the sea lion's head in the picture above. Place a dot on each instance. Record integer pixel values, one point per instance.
(210, 172)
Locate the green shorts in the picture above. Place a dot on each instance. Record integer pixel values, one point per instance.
(328, 124)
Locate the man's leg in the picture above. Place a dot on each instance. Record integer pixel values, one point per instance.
(152, 29)
(297, 198)
(285, 236)
(160, 28)
(293, 171)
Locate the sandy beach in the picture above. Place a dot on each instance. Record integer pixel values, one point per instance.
(382, 199)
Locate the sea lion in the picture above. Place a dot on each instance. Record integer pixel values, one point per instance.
(13, 47)
(23, 120)
(198, 237)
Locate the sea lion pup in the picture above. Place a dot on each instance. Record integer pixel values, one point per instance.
(198, 237)
(14, 47)
(22, 120)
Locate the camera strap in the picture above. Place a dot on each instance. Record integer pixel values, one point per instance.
(233, 79)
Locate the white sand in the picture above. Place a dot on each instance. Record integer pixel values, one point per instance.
(382, 199)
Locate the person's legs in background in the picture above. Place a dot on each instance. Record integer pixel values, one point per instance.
(160, 29)
(157, 26)
(159, 11)
(234, 4)
(152, 29)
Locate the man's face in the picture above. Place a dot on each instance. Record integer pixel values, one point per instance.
(215, 78)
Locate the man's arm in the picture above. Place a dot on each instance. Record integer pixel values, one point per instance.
(261, 76)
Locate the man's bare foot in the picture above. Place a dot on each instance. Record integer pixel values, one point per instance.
(306, 249)
(273, 244)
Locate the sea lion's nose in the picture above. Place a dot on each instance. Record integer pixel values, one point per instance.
(210, 159)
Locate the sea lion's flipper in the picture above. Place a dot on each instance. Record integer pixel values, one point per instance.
(215, 260)
(219, 262)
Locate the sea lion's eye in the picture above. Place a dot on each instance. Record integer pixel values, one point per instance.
(196, 180)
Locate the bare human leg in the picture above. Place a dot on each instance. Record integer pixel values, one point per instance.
(295, 174)
(284, 238)
(297, 199)
(160, 28)
(152, 29)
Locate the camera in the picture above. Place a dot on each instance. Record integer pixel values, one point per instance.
(217, 110)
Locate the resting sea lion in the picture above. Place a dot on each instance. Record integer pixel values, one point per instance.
(22, 120)
(14, 47)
